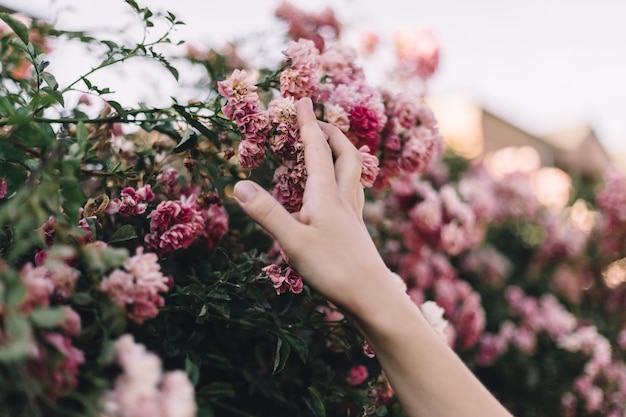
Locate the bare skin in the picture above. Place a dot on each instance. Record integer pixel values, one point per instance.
(328, 244)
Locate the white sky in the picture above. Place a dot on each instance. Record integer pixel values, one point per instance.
(542, 64)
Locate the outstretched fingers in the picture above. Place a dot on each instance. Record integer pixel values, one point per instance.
(317, 154)
(348, 160)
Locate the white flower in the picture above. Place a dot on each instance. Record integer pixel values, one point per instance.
(434, 316)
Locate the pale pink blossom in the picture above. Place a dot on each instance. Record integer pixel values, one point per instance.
(39, 286)
(336, 115)
(309, 25)
(177, 395)
(143, 390)
(62, 375)
(251, 154)
(302, 78)
(138, 288)
(71, 324)
(168, 178)
(338, 63)
(215, 225)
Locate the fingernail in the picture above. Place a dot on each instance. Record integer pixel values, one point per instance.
(244, 191)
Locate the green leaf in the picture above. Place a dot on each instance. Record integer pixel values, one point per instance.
(217, 390)
(189, 140)
(19, 334)
(124, 233)
(297, 344)
(82, 298)
(15, 291)
(48, 317)
(81, 133)
(315, 402)
(193, 370)
(87, 82)
(282, 354)
(18, 27)
(222, 308)
(133, 4)
(50, 80)
(117, 106)
(172, 71)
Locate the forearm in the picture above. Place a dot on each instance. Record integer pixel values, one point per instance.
(428, 377)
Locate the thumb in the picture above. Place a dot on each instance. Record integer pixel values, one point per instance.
(265, 210)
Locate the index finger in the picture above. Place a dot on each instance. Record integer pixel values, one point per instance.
(318, 156)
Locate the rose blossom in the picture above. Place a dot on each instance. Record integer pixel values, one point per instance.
(358, 374)
(3, 187)
(369, 167)
(175, 224)
(131, 202)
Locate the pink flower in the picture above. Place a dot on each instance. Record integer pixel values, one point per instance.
(358, 374)
(418, 52)
(289, 184)
(364, 123)
(418, 150)
(309, 25)
(71, 324)
(215, 225)
(283, 280)
(337, 115)
(177, 395)
(39, 286)
(251, 154)
(277, 278)
(63, 375)
(143, 390)
(369, 167)
(293, 278)
(3, 187)
(119, 285)
(168, 178)
(338, 63)
(131, 202)
(138, 288)
(175, 225)
(367, 350)
(491, 347)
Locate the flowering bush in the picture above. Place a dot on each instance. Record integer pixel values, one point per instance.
(131, 283)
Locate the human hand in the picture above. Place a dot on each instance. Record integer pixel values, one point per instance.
(326, 241)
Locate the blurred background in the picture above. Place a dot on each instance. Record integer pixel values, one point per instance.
(545, 74)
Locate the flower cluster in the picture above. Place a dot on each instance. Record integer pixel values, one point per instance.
(177, 224)
(138, 287)
(400, 131)
(54, 360)
(283, 279)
